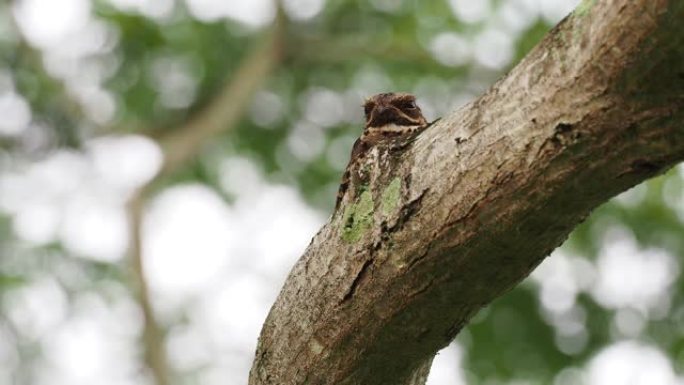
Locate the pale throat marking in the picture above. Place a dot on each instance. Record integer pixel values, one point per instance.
(392, 127)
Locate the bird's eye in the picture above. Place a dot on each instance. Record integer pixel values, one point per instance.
(367, 109)
(411, 105)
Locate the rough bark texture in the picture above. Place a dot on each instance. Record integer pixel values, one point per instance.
(478, 200)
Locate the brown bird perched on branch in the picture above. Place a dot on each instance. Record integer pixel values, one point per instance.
(390, 117)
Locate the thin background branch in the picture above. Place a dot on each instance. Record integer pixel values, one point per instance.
(181, 145)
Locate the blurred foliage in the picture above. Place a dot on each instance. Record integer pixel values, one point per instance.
(351, 48)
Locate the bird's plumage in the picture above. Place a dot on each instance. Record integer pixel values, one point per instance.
(388, 117)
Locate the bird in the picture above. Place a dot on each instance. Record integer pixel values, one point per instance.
(390, 117)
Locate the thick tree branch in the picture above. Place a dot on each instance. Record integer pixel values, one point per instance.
(481, 198)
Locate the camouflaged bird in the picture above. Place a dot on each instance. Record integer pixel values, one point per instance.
(390, 118)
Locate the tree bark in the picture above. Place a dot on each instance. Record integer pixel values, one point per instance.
(478, 200)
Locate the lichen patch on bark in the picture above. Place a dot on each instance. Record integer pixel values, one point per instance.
(358, 217)
(391, 197)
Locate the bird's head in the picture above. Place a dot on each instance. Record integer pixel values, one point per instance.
(395, 108)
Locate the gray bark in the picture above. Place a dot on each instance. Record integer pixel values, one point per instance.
(478, 200)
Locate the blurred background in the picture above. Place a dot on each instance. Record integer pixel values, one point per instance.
(163, 163)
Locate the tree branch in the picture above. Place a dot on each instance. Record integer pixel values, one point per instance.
(228, 106)
(153, 335)
(181, 145)
(484, 196)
